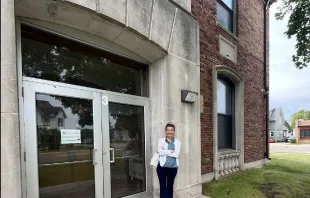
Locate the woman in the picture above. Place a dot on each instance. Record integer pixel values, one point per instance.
(168, 150)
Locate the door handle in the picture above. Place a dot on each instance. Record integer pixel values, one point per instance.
(113, 158)
(93, 152)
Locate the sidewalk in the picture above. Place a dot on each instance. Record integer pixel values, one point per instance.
(289, 148)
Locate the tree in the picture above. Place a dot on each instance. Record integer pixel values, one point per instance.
(302, 114)
(57, 59)
(299, 26)
(50, 138)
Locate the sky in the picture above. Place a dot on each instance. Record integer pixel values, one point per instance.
(289, 86)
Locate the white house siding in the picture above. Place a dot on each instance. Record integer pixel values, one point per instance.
(277, 121)
(40, 119)
(54, 121)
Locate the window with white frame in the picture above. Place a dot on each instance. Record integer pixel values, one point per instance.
(225, 12)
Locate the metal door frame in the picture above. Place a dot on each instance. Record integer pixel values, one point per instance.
(135, 101)
(30, 124)
(31, 86)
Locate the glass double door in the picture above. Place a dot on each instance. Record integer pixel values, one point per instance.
(84, 143)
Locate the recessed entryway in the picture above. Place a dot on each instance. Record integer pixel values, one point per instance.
(86, 120)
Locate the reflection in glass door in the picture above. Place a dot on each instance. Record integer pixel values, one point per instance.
(65, 140)
(127, 149)
(78, 144)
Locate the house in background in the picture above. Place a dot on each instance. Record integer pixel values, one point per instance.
(49, 116)
(302, 131)
(277, 130)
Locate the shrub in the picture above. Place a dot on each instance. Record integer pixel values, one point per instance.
(50, 139)
(293, 141)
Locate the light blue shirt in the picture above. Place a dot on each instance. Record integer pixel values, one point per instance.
(171, 162)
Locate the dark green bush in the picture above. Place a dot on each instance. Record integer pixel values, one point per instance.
(50, 139)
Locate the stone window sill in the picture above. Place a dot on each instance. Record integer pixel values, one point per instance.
(227, 31)
(227, 152)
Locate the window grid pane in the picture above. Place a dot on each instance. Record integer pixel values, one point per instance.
(224, 16)
(305, 133)
(224, 131)
(225, 114)
(224, 98)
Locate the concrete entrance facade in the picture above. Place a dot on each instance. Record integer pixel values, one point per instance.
(159, 33)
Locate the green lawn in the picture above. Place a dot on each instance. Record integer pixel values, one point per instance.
(288, 175)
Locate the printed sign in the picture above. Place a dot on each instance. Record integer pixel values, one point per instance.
(70, 136)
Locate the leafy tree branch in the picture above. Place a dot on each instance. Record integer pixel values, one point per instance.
(302, 114)
(299, 26)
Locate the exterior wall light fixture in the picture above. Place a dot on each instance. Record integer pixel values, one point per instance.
(188, 96)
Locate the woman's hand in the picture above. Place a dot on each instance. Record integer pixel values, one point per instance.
(172, 151)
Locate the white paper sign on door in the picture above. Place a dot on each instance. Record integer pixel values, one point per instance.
(70, 136)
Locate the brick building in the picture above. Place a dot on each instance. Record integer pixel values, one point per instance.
(302, 131)
(120, 70)
(236, 47)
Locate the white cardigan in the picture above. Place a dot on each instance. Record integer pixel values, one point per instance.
(164, 153)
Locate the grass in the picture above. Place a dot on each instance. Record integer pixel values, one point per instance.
(287, 176)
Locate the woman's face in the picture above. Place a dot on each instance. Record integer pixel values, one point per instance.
(170, 132)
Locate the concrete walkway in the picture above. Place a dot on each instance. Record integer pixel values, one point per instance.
(289, 148)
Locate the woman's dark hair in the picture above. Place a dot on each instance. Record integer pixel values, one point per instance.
(170, 125)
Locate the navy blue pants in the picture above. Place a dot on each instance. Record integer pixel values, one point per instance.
(166, 178)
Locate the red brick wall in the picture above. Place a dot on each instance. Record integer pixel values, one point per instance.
(250, 66)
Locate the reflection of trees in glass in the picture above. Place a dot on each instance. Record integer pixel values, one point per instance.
(59, 63)
(54, 58)
(49, 138)
(87, 136)
(81, 107)
(126, 121)
(112, 135)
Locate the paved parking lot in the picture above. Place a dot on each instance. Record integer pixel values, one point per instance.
(289, 148)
